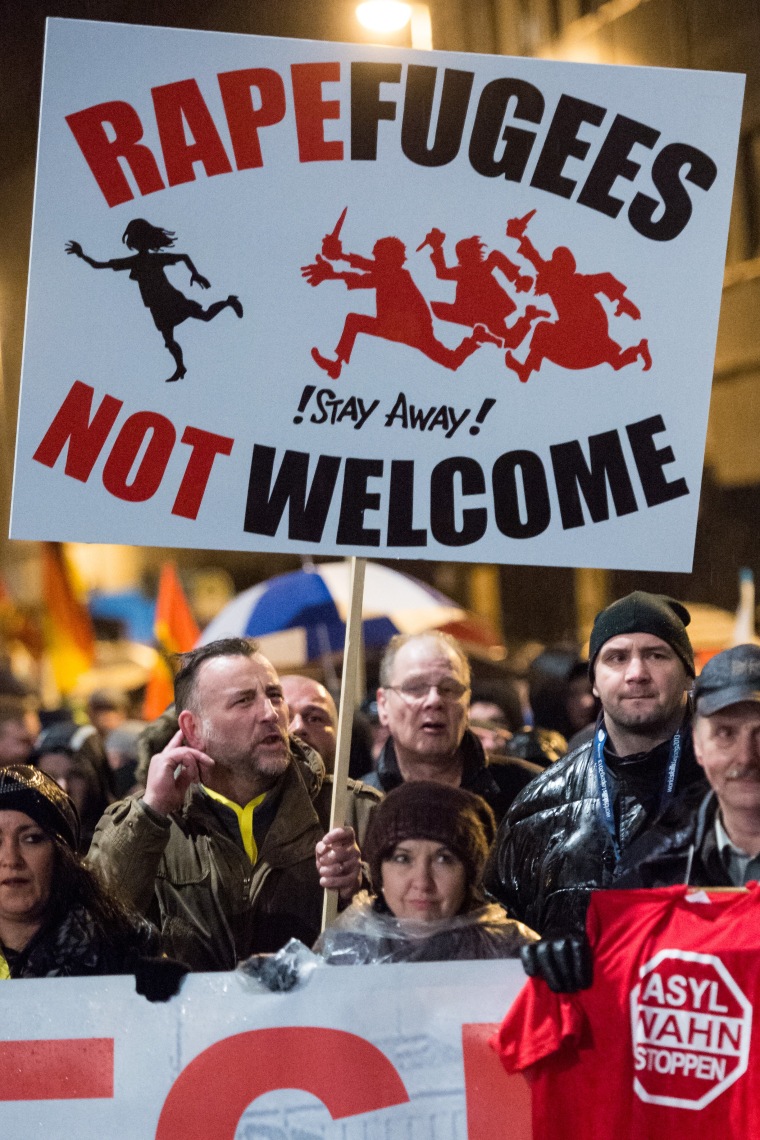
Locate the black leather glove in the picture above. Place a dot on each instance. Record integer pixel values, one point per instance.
(564, 963)
(158, 979)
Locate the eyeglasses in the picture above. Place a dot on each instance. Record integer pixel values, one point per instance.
(448, 690)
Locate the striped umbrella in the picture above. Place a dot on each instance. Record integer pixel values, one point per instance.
(300, 617)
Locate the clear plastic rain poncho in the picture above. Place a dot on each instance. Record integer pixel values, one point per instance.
(365, 934)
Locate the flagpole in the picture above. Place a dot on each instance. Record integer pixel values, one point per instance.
(348, 702)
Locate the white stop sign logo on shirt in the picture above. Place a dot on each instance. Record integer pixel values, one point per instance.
(691, 1028)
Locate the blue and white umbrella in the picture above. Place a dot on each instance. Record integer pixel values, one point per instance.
(300, 617)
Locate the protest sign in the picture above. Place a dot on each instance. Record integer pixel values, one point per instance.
(299, 296)
(356, 1053)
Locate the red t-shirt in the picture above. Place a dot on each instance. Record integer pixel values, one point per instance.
(664, 1044)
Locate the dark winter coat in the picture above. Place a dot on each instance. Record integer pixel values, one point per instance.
(680, 847)
(497, 779)
(553, 848)
(75, 946)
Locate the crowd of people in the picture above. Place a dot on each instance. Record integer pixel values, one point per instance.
(478, 828)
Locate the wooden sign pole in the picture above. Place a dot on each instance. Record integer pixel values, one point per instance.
(348, 702)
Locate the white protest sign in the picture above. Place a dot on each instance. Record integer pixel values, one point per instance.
(298, 296)
(356, 1053)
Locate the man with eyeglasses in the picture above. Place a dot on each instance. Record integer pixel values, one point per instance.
(423, 700)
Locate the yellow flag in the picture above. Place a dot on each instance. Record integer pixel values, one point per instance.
(69, 636)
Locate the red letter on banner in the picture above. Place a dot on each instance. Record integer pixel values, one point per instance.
(242, 119)
(206, 446)
(79, 1069)
(103, 154)
(149, 474)
(72, 425)
(492, 1095)
(177, 104)
(312, 111)
(345, 1072)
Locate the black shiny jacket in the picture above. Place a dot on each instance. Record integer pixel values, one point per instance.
(679, 848)
(553, 848)
(496, 779)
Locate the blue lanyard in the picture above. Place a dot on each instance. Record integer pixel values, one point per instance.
(605, 799)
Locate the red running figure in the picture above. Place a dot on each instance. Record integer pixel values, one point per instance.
(579, 338)
(147, 266)
(403, 314)
(479, 298)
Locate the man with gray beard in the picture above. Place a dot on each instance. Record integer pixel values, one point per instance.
(220, 851)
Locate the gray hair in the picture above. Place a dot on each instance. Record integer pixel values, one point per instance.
(399, 640)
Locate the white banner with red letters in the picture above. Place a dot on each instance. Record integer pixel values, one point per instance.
(298, 296)
(355, 1053)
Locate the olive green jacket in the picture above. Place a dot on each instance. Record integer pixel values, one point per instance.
(197, 884)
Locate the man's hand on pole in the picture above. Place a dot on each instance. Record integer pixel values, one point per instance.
(339, 862)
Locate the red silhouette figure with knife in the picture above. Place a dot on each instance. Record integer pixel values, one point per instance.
(479, 297)
(579, 338)
(402, 315)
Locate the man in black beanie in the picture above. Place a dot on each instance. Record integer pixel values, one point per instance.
(568, 832)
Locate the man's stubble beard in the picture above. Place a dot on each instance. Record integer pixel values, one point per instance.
(646, 725)
(246, 761)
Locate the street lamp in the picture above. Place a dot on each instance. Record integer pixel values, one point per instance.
(384, 16)
(387, 16)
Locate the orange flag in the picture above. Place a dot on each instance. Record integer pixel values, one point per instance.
(18, 625)
(176, 632)
(69, 636)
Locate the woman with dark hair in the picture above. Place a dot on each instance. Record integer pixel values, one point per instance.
(167, 305)
(56, 919)
(426, 848)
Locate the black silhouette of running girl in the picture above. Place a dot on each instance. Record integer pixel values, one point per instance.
(167, 305)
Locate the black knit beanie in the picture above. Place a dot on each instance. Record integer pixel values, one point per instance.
(640, 612)
(422, 809)
(30, 791)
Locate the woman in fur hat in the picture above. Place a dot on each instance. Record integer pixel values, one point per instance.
(426, 848)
